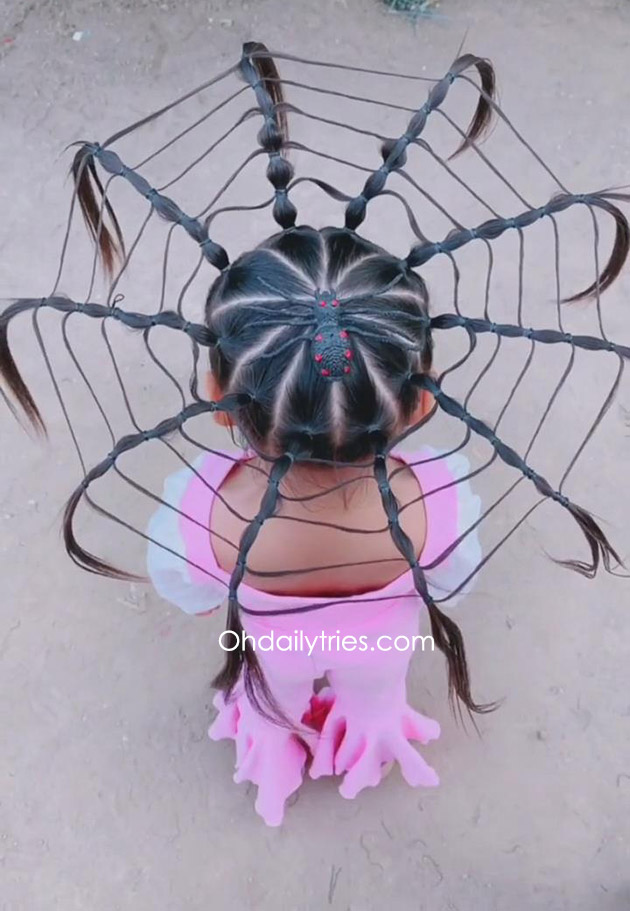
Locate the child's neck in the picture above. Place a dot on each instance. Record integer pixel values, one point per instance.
(308, 478)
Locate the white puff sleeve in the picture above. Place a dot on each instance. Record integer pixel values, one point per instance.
(166, 565)
(464, 559)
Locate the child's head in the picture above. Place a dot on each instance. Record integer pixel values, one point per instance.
(327, 334)
(322, 328)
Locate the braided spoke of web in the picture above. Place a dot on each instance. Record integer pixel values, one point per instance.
(474, 472)
(595, 537)
(168, 319)
(489, 230)
(494, 228)
(338, 195)
(395, 151)
(165, 207)
(271, 138)
(266, 510)
(444, 631)
(506, 453)
(545, 336)
(548, 336)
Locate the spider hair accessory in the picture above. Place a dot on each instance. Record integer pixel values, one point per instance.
(331, 346)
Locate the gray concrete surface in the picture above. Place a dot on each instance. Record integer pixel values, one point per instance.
(112, 798)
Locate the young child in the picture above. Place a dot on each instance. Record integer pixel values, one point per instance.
(328, 539)
(329, 370)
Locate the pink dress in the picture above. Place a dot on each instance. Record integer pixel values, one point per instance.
(363, 645)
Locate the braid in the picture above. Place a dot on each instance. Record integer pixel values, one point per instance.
(261, 73)
(197, 332)
(394, 151)
(598, 543)
(165, 207)
(495, 227)
(546, 336)
(244, 661)
(446, 634)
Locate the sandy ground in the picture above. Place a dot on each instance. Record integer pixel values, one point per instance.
(112, 798)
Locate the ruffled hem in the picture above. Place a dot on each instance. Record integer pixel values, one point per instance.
(335, 739)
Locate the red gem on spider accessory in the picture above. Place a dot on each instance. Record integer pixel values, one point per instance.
(319, 338)
(325, 372)
(335, 303)
(343, 334)
(347, 368)
(348, 354)
(319, 357)
(322, 303)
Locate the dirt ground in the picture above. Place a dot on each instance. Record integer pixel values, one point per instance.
(112, 797)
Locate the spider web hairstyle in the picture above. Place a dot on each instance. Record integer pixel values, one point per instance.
(320, 340)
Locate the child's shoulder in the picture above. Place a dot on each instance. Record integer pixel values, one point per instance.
(452, 551)
(180, 562)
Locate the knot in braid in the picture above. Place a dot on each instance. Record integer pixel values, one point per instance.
(262, 75)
